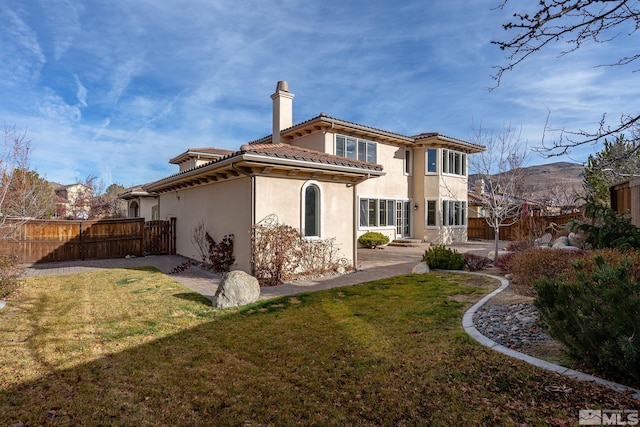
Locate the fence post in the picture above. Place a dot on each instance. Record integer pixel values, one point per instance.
(81, 242)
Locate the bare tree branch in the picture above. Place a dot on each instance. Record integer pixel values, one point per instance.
(574, 23)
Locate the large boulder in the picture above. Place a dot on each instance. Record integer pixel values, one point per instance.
(421, 268)
(236, 288)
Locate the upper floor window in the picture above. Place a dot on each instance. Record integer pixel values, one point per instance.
(357, 149)
(432, 158)
(454, 162)
(408, 162)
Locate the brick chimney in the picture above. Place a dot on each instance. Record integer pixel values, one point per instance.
(282, 110)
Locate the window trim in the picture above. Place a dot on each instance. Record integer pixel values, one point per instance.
(390, 216)
(426, 161)
(435, 203)
(408, 162)
(303, 207)
(370, 148)
(458, 159)
(461, 212)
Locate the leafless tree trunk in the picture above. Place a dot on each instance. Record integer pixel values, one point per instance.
(499, 170)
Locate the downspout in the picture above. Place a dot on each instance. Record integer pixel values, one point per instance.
(355, 229)
(252, 208)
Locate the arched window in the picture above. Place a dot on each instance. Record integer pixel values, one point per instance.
(134, 210)
(311, 210)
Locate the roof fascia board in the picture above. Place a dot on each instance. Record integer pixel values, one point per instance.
(261, 159)
(325, 122)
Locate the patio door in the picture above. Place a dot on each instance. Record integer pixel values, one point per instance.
(403, 218)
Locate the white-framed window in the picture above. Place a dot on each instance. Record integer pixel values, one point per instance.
(311, 210)
(356, 148)
(431, 213)
(454, 213)
(431, 161)
(408, 162)
(377, 212)
(454, 162)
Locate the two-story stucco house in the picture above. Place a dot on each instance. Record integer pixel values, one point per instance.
(327, 177)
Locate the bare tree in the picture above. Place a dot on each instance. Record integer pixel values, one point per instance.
(23, 194)
(574, 22)
(107, 204)
(499, 171)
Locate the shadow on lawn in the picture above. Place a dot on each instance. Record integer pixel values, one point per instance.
(331, 362)
(195, 297)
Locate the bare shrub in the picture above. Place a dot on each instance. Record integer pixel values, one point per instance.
(10, 272)
(534, 264)
(476, 262)
(281, 253)
(216, 256)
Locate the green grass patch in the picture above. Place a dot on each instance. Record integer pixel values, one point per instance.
(134, 347)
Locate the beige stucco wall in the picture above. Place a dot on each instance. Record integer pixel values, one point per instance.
(145, 206)
(314, 141)
(224, 208)
(283, 197)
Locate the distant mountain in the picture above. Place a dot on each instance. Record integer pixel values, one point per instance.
(560, 181)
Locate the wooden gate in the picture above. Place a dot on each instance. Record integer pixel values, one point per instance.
(159, 237)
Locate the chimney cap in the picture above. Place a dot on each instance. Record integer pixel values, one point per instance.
(282, 86)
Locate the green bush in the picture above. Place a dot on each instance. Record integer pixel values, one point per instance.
(10, 272)
(371, 239)
(444, 258)
(606, 228)
(595, 314)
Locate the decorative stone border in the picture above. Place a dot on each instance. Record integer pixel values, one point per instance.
(469, 327)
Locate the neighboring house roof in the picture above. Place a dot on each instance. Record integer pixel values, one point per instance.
(135, 193)
(323, 122)
(265, 159)
(202, 153)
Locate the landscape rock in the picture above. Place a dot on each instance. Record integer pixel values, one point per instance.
(544, 240)
(561, 242)
(421, 268)
(576, 239)
(236, 289)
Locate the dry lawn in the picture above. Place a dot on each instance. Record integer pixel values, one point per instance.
(134, 347)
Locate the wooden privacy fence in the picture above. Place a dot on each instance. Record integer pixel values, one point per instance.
(58, 240)
(530, 226)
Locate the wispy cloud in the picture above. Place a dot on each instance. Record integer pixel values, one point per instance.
(115, 89)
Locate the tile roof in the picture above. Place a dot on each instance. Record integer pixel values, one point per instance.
(286, 151)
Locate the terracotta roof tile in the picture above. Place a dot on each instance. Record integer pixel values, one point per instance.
(287, 151)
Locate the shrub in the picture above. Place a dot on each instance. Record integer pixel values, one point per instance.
(476, 262)
(595, 314)
(502, 261)
(606, 228)
(537, 263)
(371, 239)
(281, 253)
(521, 245)
(10, 272)
(443, 258)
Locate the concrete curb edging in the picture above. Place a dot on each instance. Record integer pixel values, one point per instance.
(469, 327)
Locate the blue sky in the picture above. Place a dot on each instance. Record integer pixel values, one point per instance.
(115, 89)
